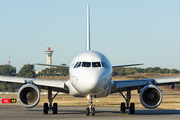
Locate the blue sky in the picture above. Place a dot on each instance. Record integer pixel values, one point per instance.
(126, 31)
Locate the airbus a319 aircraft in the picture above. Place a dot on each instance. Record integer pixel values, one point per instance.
(90, 76)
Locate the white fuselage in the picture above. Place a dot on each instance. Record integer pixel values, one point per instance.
(90, 74)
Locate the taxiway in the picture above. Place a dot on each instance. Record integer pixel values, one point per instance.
(16, 112)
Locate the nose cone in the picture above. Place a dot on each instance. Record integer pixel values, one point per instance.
(88, 82)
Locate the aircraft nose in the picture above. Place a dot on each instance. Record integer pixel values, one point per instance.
(88, 84)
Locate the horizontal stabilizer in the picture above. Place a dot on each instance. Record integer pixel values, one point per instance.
(51, 65)
(126, 65)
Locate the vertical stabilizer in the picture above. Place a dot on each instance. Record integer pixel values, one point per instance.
(88, 28)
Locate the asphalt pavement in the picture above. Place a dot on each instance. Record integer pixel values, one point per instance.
(17, 112)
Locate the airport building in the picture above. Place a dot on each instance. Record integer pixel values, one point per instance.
(49, 53)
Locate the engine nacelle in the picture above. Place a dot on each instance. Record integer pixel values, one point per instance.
(28, 95)
(151, 96)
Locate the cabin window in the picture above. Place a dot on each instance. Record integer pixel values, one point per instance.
(104, 64)
(86, 64)
(96, 64)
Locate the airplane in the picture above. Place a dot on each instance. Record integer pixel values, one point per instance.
(90, 76)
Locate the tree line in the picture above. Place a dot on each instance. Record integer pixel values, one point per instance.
(133, 70)
(28, 71)
(53, 72)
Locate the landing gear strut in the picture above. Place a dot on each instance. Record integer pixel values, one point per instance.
(90, 109)
(54, 108)
(128, 98)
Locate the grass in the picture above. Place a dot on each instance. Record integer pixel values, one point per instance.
(114, 100)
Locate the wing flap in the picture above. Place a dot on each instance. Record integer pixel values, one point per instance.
(130, 83)
(167, 80)
(12, 79)
(50, 83)
(122, 85)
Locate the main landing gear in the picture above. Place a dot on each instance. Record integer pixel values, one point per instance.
(90, 109)
(128, 98)
(54, 108)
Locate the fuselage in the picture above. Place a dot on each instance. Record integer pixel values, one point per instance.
(90, 74)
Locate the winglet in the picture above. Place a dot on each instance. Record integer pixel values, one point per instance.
(88, 28)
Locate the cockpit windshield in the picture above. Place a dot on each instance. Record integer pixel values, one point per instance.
(96, 64)
(86, 64)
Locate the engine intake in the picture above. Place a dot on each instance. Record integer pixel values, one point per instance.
(28, 95)
(151, 96)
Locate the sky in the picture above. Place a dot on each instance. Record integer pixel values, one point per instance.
(125, 31)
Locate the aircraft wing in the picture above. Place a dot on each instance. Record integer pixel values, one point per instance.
(51, 65)
(125, 65)
(57, 85)
(122, 85)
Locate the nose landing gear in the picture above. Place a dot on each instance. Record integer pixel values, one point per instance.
(90, 109)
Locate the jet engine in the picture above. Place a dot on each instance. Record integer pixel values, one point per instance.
(28, 95)
(151, 96)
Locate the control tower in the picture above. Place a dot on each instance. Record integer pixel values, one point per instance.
(49, 53)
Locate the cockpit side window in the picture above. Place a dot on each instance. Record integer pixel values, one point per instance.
(78, 64)
(104, 65)
(86, 64)
(96, 64)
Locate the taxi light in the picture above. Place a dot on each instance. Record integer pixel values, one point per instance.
(88, 96)
(8, 100)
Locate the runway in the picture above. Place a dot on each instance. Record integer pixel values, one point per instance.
(16, 112)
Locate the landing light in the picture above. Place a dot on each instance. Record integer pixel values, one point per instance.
(88, 96)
